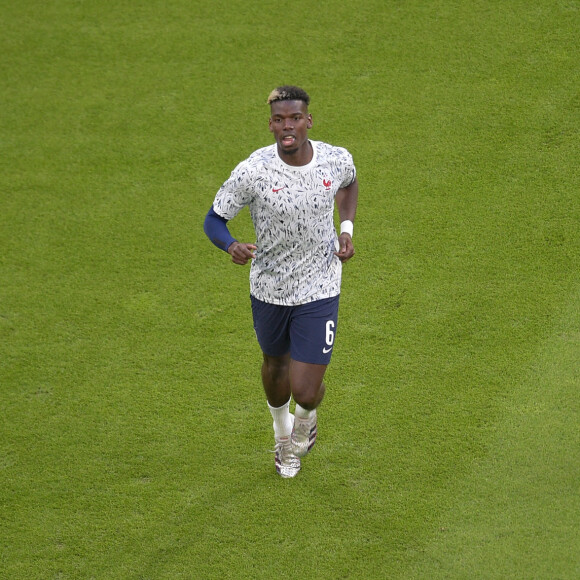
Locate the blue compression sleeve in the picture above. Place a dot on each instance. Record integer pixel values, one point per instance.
(216, 229)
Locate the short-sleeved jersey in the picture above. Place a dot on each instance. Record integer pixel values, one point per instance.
(292, 209)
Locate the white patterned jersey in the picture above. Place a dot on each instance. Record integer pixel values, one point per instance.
(292, 209)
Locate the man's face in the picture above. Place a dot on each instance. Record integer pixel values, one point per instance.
(289, 122)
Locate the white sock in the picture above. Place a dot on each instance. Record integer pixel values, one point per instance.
(301, 413)
(282, 420)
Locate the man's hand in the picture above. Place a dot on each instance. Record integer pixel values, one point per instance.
(241, 253)
(346, 249)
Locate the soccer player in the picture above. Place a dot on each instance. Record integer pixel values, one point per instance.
(291, 188)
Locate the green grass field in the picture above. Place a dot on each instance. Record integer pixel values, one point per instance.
(135, 438)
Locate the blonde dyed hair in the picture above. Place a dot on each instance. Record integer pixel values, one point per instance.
(288, 93)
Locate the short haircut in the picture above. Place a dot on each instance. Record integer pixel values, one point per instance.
(288, 93)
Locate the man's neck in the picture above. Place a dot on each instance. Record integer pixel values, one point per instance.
(300, 157)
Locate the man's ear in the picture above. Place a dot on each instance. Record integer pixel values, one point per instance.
(309, 122)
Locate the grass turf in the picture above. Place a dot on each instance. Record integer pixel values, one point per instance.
(135, 436)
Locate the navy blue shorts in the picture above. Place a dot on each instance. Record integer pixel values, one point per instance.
(306, 331)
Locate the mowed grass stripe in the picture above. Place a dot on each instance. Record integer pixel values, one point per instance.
(517, 513)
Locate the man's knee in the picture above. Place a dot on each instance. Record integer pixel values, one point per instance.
(309, 396)
(276, 366)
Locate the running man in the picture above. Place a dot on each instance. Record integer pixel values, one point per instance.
(291, 188)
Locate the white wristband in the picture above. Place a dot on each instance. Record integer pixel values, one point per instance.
(347, 227)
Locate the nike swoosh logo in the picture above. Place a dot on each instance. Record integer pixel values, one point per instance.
(279, 189)
(326, 350)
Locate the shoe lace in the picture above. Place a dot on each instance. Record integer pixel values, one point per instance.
(283, 447)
